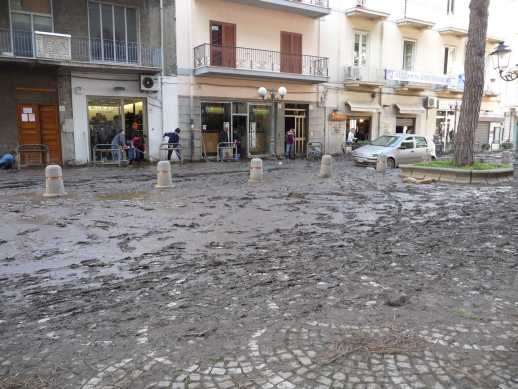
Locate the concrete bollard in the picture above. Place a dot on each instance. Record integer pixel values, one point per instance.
(54, 186)
(164, 180)
(507, 157)
(381, 163)
(256, 170)
(326, 166)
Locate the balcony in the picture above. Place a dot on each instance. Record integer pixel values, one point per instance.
(67, 50)
(363, 12)
(356, 76)
(257, 63)
(311, 8)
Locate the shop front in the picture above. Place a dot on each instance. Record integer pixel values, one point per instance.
(107, 116)
(104, 105)
(406, 118)
(359, 120)
(247, 125)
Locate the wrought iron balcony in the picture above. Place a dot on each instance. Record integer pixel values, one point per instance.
(69, 49)
(311, 8)
(247, 62)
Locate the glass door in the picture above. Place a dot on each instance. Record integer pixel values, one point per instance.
(260, 129)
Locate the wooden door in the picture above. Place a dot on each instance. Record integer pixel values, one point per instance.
(291, 52)
(49, 125)
(223, 44)
(29, 132)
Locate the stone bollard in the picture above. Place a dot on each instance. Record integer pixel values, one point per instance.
(164, 180)
(256, 170)
(381, 163)
(507, 157)
(326, 166)
(54, 186)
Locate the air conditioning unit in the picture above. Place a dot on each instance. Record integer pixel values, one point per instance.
(431, 102)
(149, 83)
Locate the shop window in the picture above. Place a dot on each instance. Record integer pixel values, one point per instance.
(113, 32)
(259, 129)
(409, 49)
(108, 116)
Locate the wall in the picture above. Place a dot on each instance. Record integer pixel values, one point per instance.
(20, 76)
(103, 85)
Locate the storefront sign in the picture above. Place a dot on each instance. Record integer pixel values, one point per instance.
(337, 116)
(417, 77)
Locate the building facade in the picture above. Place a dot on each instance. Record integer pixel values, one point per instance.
(77, 72)
(371, 66)
(227, 50)
(398, 66)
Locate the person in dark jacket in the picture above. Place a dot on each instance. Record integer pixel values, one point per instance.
(223, 137)
(174, 142)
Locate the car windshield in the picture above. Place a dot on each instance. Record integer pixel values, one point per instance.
(385, 141)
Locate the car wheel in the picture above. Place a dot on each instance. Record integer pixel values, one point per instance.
(391, 163)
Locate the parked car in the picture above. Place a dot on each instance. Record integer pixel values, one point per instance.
(399, 149)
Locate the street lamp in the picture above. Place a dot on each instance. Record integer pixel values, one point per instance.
(501, 57)
(275, 96)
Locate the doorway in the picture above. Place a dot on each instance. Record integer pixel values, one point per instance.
(39, 124)
(222, 44)
(240, 135)
(295, 118)
(405, 125)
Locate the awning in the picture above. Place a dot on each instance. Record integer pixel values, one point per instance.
(491, 117)
(362, 106)
(410, 109)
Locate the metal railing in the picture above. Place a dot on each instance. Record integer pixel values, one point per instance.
(168, 150)
(32, 155)
(86, 50)
(244, 58)
(316, 3)
(364, 73)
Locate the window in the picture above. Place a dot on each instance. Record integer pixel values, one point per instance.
(449, 60)
(35, 6)
(408, 54)
(420, 142)
(28, 16)
(113, 33)
(360, 48)
(450, 10)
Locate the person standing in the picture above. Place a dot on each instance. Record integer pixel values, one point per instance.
(290, 144)
(174, 143)
(118, 143)
(223, 137)
(350, 138)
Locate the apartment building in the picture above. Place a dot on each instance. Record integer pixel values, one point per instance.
(76, 72)
(227, 51)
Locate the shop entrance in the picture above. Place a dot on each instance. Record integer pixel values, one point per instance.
(360, 126)
(405, 125)
(108, 116)
(295, 118)
(39, 124)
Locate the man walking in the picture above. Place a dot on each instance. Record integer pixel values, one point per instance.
(174, 143)
(290, 144)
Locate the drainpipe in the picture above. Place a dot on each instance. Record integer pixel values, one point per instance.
(382, 35)
(162, 64)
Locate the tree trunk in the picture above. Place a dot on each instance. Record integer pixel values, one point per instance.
(474, 70)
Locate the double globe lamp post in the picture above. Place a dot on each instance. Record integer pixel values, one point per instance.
(273, 96)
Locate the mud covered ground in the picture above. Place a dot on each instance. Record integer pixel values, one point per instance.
(357, 281)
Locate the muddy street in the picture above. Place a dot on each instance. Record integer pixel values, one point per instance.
(354, 281)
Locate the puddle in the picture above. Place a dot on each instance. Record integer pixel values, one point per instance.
(122, 196)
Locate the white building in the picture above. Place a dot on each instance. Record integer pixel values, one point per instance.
(371, 66)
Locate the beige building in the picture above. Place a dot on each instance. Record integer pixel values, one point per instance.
(368, 66)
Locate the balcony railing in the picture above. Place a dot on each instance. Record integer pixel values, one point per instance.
(257, 60)
(316, 3)
(364, 74)
(59, 47)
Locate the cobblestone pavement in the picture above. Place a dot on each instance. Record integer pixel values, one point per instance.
(357, 281)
